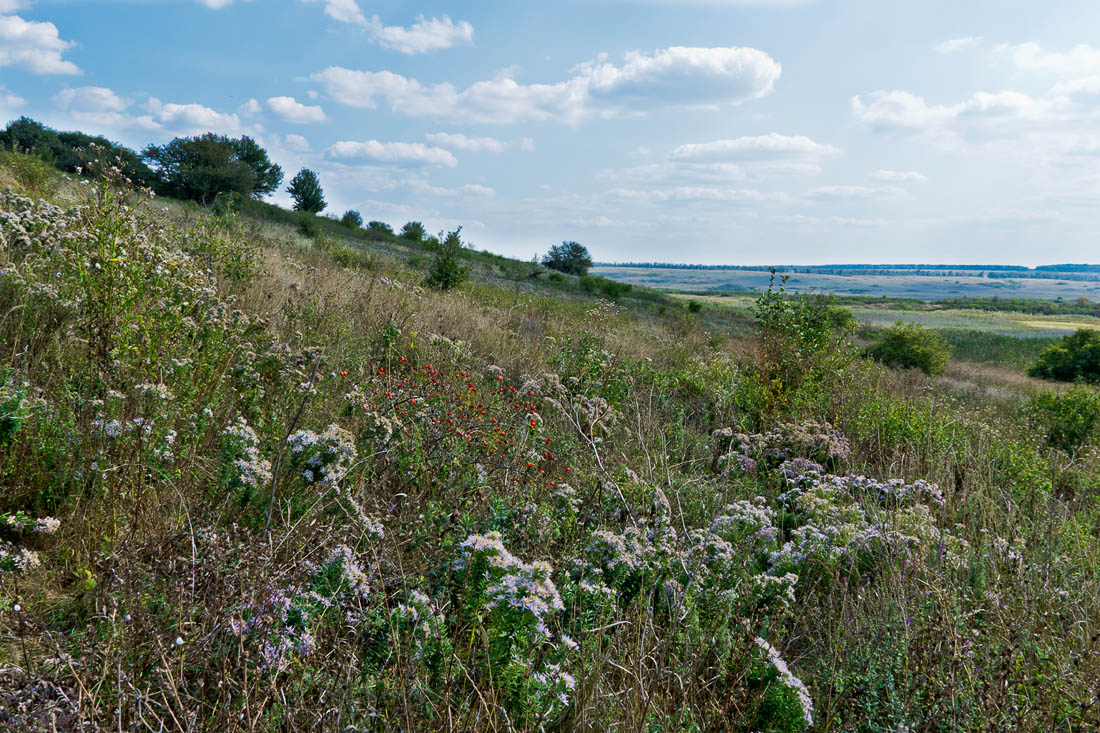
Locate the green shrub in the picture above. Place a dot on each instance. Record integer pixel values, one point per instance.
(352, 219)
(1074, 358)
(604, 286)
(694, 306)
(308, 226)
(447, 271)
(1069, 418)
(911, 346)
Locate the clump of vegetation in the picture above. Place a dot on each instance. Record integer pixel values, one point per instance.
(413, 231)
(248, 486)
(572, 258)
(911, 346)
(305, 189)
(72, 152)
(352, 219)
(447, 271)
(203, 167)
(1075, 358)
(1070, 418)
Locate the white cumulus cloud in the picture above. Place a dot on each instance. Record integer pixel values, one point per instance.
(400, 153)
(10, 6)
(297, 143)
(423, 36)
(192, 118)
(674, 76)
(90, 100)
(34, 46)
(291, 110)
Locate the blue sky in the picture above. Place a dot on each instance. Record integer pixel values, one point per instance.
(714, 131)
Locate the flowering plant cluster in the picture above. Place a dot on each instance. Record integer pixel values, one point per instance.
(518, 602)
(13, 555)
(324, 459)
(282, 626)
(244, 467)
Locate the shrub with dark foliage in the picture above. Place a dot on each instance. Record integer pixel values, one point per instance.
(569, 257)
(1074, 358)
(202, 167)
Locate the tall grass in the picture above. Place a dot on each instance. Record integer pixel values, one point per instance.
(253, 482)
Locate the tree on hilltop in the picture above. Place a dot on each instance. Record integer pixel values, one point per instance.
(202, 167)
(305, 189)
(568, 257)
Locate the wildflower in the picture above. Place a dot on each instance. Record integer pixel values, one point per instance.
(787, 679)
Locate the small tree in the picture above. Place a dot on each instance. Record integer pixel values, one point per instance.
(568, 257)
(447, 271)
(911, 346)
(351, 219)
(1074, 358)
(305, 189)
(380, 229)
(413, 231)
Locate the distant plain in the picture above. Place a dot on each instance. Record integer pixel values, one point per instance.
(891, 286)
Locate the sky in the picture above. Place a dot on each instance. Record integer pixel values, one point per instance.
(692, 131)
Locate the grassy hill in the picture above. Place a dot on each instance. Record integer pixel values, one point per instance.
(259, 480)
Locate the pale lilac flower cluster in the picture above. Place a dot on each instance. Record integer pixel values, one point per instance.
(423, 619)
(20, 522)
(326, 458)
(788, 680)
(156, 391)
(774, 591)
(242, 448)
(747, 520)
(514, 584)
(555, 681)
(116, 428)
(13, 558)
(281, 625)
(819, 442)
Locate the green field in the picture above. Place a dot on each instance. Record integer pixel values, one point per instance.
(891, 286)
(1020, 325)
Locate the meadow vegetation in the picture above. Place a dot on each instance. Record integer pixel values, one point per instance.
(260, 479)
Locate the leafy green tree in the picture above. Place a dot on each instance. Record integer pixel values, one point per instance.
(74, 152)
(352, 219)
(30, 136)
(447, 271)
(305, 189)
(568, 257)
(200, 168)
(413, 231)
(1074, 358)
(911, 346)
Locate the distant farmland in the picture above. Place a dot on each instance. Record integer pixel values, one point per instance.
(892, 286)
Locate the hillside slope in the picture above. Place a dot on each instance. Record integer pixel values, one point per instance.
(257, 481)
